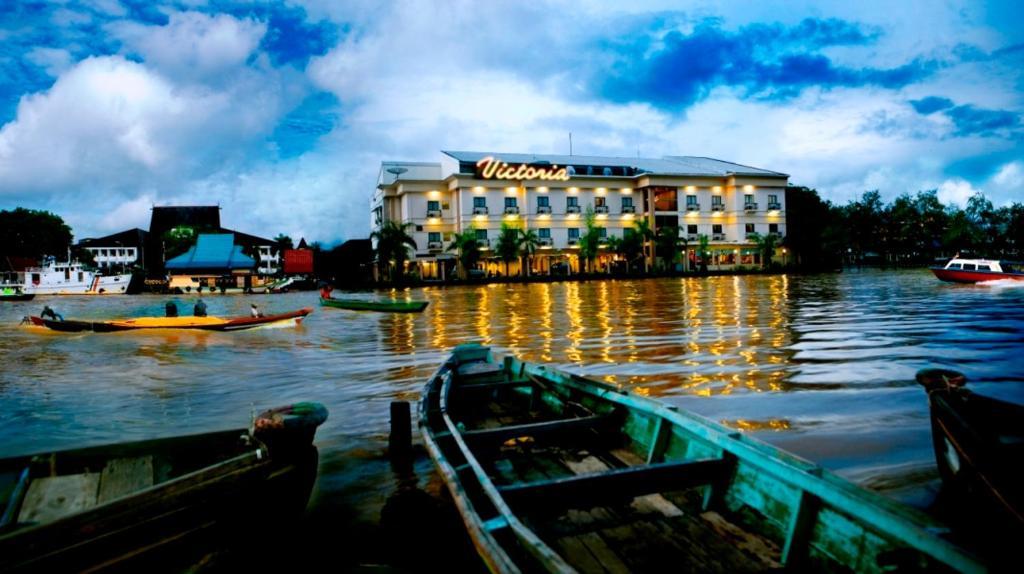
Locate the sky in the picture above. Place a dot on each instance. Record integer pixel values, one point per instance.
(281, 112)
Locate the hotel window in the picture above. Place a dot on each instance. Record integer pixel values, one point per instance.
(749, 228)
(627, 202)
(599, 202)
(716, 228)
(574, 233)
(773, 228)
(572, 202)
(481, 235)
(691, 229)
(773, 199)
(433, 206)
(691, 200)
(544, 233)
(716, 200)
(748, 198)
(665, 199)
(602, 232)
(434, 237)
(542, 201)
(510, 202)
(479, 202)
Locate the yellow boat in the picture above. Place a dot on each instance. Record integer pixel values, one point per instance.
(198, 323)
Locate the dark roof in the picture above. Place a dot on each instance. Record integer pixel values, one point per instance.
(201, 217)
(130, 238)
(212, 251)
(246, 239)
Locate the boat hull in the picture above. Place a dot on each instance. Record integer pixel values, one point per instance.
(961, 276)
(381, 306)
(101, 285)
(175, 323)
(18, 297)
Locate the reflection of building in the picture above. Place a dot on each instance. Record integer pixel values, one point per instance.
(551, 194)
(117, 251)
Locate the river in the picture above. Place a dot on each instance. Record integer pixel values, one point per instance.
(821, 365)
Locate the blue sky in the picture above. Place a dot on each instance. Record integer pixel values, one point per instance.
(281, 112)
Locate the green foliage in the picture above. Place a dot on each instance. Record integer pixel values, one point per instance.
(508, 244)
(33, 233)
(528, 243)
(284, 241)
(703, 252)
(765, 246)
(468, 248)
(590, 241)
(392, 251)
(667, 245)
(642, 228)
(178, 240)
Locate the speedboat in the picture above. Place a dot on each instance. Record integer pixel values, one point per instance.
(974, 270)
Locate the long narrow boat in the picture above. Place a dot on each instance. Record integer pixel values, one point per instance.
(555, 472)
(979, 449)
(194, 323)
(14, 293)
(383, 306)
(140, 505)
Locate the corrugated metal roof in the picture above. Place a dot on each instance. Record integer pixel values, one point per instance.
(212, 251)
(669, 165)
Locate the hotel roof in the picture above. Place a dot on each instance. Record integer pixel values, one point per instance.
(668, 165)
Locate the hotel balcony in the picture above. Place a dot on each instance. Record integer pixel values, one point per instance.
(511, 210)
(692, 237)
(480, 210)
(573, 241)
(776, 235)
(749, 207)
(775, 207)
(433, 213)
(692, 207)
(600, 209)
(435, 245)
(545, 241)
(751, 236)
(717, 237)
(543, 209)
(717, 207)
(628, 209)
(572, 209)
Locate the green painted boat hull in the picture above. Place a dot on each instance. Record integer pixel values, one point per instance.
(381, 306)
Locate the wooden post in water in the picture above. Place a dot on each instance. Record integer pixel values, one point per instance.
(400, 441)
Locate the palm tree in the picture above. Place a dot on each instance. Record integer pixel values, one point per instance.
(615, 244)
(508, 244)
(590, 243)
(632, 246)
(667, 241)
(643, 229)
(393, 243)
(765, 246)
(528, 242)
(468, 247)
(702, 251)
(684, 245)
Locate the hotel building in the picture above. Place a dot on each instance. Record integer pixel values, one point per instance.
(551, 194)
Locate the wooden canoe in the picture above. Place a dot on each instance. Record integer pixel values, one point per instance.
(17, 296)
(135, 506)
(555, 472)
(979, 449)
(383, 306)
(184, 322)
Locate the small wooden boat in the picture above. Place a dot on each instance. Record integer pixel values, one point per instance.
(979, 448)
(135, 506)
(15, 293)
(194, 323)
(383, 306)
(555, 472)
(959, 270)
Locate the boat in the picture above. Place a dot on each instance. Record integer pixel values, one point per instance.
(186, 322)
(979, 449)
(71, 278)
(138, 506)
(14, 293)
(377, 305)
(555, 472)
(959, 270)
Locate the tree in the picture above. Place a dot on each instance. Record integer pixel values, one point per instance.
(468, 247)
(765, 246)
(284, 241)
(643, 230)
(508, 244)
(178, 240)
(614, 243)
(703, 252)
(528, 243)
(632, 246)
(33, 233)
(667, 241)
(590, 242)
(393, 243)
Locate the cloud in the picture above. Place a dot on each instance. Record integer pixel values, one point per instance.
(956, 191)
(973, 121)
(931, 104)
(1010, 176)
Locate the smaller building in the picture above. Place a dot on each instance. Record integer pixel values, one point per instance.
(213, 262)
(118, 251)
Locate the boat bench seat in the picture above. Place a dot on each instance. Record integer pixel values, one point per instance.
(480, 372)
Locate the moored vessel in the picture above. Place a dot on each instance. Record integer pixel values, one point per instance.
(71, 278)
(959, 270)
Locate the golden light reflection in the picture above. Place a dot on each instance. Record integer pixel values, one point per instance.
(573, 306)
(755, 425)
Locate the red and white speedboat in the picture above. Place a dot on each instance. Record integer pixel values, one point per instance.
(975, 270)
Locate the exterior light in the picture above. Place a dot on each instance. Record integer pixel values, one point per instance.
(602, 216)
(691, 188)
(626, 190)
(433, 220)
(478, 189)
(573, 189)
(748, 188)
(543, 216)
(600, 190)
(694, 213)
(480, 217)
(510, 189)
(542, 189)
(627, 216)
(716, 214)
(717, 189)
(434, 193)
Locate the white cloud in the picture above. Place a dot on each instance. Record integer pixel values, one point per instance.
(53, 60)
(1011, 177)
(131, 213)
(957, 191)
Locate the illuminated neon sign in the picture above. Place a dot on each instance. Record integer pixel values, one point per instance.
(491, 168)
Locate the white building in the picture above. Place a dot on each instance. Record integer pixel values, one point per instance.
(118, 251)
(550, 194)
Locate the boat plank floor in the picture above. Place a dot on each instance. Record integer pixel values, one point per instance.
(122, 476)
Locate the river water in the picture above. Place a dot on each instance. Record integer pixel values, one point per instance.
(821, 365)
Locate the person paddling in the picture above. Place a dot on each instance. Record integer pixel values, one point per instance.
(199, 310)
(255, 311)
(47, 312)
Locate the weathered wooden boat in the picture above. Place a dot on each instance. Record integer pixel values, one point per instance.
(14, 293)
(185, 322)
(383, 306)
(979, 449)
(131, 506)
(555, 472)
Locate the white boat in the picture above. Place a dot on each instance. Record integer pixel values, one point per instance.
(71, 278)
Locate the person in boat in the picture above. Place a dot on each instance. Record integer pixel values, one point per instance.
(48, 312)
(170, 309)
(325, 291)
(255, 311)
(199, 310)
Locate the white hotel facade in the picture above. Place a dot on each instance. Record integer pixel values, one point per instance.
(702, 196)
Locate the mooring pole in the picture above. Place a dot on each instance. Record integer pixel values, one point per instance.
(400, 441)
